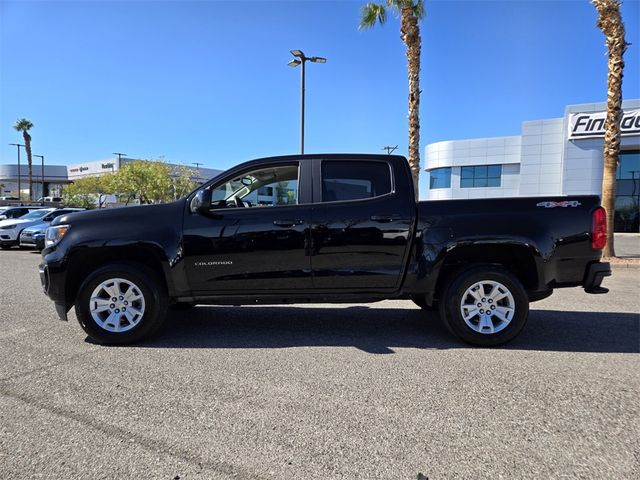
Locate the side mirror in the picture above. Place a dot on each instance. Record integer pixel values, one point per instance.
(201, 202)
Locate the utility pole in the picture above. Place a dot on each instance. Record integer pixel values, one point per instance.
(389, 149)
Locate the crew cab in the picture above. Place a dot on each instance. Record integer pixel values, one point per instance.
(330, 228)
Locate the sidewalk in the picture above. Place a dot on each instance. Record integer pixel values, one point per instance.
(627, 246)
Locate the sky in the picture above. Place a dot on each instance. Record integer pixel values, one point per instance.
(208, 81)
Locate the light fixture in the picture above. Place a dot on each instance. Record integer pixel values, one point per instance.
(318, 59)
(294, 63)
(297, 53)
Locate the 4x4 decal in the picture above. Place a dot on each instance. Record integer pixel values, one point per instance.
(564, 204)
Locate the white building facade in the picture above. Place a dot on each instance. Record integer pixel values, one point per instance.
(552, 157)
(112, 165)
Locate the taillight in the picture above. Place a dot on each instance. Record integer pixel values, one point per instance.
(599, 229)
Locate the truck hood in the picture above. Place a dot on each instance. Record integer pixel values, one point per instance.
(120, 214)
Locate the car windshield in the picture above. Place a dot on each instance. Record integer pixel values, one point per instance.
(35, 215)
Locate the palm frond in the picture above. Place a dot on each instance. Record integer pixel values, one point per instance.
(23, 125)
(372, 13)
(418, 9)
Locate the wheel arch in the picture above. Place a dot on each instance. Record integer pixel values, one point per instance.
(83, 262)
(518, 259)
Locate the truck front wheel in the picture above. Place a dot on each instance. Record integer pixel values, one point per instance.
(485, 306)
(121, 303)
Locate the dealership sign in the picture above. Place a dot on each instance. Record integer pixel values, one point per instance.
(591, 125)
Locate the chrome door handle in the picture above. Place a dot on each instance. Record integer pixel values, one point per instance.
(385, 218)
(287, 223)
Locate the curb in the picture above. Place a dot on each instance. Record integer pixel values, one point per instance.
(625, 266)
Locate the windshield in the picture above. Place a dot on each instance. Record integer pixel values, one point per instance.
(35, 214)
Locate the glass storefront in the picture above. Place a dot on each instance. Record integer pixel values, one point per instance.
(628, 192)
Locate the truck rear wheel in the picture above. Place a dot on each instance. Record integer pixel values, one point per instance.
(485, 306)
(121, 303)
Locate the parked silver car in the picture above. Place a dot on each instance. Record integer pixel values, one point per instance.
(33, 236)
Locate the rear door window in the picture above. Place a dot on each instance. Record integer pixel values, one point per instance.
(354, 180)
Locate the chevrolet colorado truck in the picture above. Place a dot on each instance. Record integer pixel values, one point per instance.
(330, 228)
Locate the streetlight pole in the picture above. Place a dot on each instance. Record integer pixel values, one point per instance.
(19, 183)
(41, 173)
(301, 59)
(120, 155)
(197, 164)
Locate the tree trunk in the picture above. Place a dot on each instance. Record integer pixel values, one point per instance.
(411, 37)
(27, 147)
(610, 22)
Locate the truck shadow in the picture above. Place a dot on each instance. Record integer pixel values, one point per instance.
(380, 330)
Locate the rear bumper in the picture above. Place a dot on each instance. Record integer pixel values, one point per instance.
(594, 275)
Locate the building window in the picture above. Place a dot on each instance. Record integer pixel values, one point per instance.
(627, 205)
(266, 191)
(480, 176)
(440, 178)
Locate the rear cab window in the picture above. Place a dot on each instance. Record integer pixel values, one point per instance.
(354, 180)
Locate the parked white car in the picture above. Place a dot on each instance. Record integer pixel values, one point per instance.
(10, 229)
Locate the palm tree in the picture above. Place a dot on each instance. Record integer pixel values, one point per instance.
(23, 125)
(410, 12)
(610, 22)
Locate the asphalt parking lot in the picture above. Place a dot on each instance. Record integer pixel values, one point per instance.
(320, 392)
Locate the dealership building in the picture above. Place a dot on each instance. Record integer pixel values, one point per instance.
(47, 179)
(111, 165)
(551, 157)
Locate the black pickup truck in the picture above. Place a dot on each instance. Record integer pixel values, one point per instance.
(322, 228)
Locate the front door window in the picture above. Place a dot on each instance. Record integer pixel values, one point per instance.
(265, 187)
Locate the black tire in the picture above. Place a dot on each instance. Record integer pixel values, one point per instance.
(452, 300)
(420, 301)
(153, 293)
(5, 247)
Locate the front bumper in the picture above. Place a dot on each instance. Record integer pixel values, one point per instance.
(9, 236)
(27, 240)
(39, 241)
(594, 275)
(56, 296)
(7, 240)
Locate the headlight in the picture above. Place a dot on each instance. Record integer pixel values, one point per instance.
(55, 234)
(8, 227)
